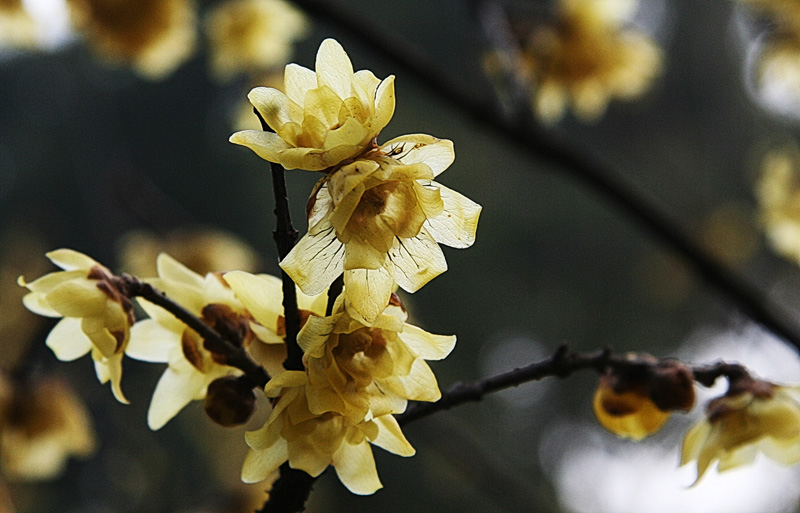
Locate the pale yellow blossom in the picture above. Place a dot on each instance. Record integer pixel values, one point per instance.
(43, 423)
(759, 418)
(629, 414)
(363, 372)
(252, 35)
(96, 316)
(311, 442)
(152, 36)
(587, 58)
(324, 117)
(380, 220)
(17, 27)
(192, 365)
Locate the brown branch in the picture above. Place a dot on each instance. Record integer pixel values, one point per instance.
(235, 355)
(562, 364)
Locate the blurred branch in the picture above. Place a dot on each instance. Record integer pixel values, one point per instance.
(539, 145)
(235, 355)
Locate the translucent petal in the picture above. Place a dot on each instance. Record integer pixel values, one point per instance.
(391, 438)
(77, 298)
(315, 333)
(151, 342)
(416, 261)
(68, 341)
(384, 105)
(298, 80)
(262, 295)
(421, 384)
(272, 104)
(351, 133)
(174, 271)
(266, 145)
(694, 440)
(368, 292)
(50, 281)
(69, 259)
(355, 467)
(97, 331)
(427, 345)
(438, 154)
(457, 224)
(259, 465)
(315, 261)
(359, 254)
(285, 380)
(334, 68)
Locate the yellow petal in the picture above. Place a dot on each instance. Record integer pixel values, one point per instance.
(427, 345)
(68, 341)
(457, 224)
(438, 154)
(77, 298)
(70, 260)
(262, 295)
(416, 261)
(391, 438)
(367, 292)
(180, 384)
(315, 261)
(266, 145)
(272, 104)
(151, 342)
(334, 68)
(259, 465)
(297, 81)
(36, 303)
(355, 467)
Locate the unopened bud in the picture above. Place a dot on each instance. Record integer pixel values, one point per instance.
(230, 401)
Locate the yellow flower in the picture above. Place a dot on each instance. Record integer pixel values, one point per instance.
(192, 365)
(588, 59)
(153, 36)
(96, 316)
(17, 28)
(757, 417)
(363, 372)
(778, 193)
(379, 220)
(325, 117)
(786, 13)
(311, 442)
(41, 426)
(636, 402)
(252, 35)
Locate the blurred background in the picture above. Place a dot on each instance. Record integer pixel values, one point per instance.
(121, 156)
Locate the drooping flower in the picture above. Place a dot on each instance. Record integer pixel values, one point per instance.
(380, 220)
(152, 36)
(588, 58)
(363, 372)
(753, 417)
(637, 402)
(324, 117)
(252, 35)
(311, 442)
(192, 364)
(42, 425)
(97, 317)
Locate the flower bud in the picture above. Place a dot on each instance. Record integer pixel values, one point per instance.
(230, 401)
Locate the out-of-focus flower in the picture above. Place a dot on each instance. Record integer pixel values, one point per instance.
(363, 372)
(152, 36)
(252, 36)
(242, 116)
(17, 27)
(192, 364)
(753, 416)
(785, 13)
(380, 220)
(778, 72)
(588, 58)
(203, 250)
(637, 404)
(324, 117)
(97, 317)
(42, 424)
(311, 442)
(778, 194)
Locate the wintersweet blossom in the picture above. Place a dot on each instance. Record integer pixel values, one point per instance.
(97, 317)
(324, 117)
(310, 442)
(629, 414)
(364, 372)
(42, 425)
(153, 36)
(252, 35)
(192, 364)
(380, 220)
(587, 59)
(754, 416)
(778, 193)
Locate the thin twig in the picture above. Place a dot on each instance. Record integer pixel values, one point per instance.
(235, 356)
(586, 168)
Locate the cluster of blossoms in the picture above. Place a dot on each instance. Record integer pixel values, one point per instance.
(376, 217)
(589, 55)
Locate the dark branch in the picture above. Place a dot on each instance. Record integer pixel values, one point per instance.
(290, 491)
(235, 355)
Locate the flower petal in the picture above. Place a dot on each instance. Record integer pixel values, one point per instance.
(262, 295)
(67, 340)
(334, 68)
(457, 224)
(438, 154)
(416, 260)
(151, 342)
(427, 345)
(315, 261)
(266, 145)
(258, 465)
(71, 260)
(367, 291)
(391, 438)
(355, 467)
